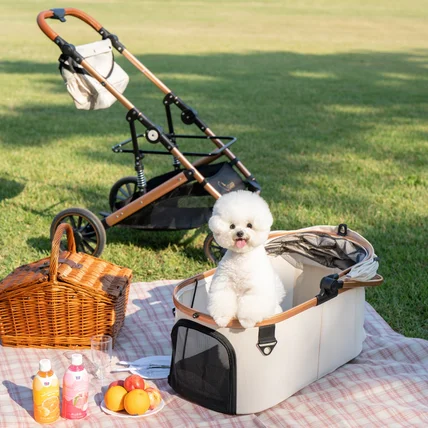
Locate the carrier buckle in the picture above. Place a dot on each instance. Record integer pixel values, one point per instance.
(330, 286)
(342, 229)
(267, 340)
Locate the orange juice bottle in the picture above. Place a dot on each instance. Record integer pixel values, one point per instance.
(46, 394)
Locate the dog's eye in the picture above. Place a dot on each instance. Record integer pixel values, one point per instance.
(232, 226)
(249, 225)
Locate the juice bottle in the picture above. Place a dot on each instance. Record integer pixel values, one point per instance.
(46, 394)
(75, 390)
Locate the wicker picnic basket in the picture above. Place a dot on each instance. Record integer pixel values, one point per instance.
(63, 300)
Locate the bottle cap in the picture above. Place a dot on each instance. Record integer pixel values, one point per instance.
(45, 365)
(76, 359)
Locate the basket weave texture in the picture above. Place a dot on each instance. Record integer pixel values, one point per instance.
(63, 300)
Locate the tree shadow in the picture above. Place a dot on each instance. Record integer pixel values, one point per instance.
(9, 189)
(311, 116)
(317, 103)
(41, 243)
(154, 240)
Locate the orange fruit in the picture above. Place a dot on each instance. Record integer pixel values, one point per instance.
(137, 402)
(114, 398)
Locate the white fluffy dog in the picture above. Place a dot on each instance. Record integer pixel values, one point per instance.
(245, 286)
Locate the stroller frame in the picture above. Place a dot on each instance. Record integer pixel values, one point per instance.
(88, 229)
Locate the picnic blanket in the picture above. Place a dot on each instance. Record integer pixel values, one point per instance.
(385, 386)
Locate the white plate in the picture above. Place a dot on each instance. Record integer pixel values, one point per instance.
(148, 373)
(123, 414)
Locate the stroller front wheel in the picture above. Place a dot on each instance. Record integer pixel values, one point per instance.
(122, 192)
(212, 250)
(89, 232)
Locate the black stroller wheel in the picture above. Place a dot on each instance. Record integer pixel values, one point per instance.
(89, 232)
(212, 250)
(122, 192)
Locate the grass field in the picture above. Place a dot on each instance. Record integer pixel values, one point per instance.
(328, 99)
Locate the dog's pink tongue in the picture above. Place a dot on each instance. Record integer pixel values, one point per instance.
(240, 243)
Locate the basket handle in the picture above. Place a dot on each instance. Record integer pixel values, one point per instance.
(60, 14)
(56, 241)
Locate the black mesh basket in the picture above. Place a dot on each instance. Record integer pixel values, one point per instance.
(188, 206)
(203, 367)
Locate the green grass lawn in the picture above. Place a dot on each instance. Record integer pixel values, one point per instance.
(328, 99)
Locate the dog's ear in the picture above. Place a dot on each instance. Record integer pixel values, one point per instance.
(216, 224)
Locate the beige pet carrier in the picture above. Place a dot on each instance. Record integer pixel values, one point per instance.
(237, 371)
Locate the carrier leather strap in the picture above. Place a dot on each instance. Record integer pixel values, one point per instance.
(267, 340)
(374, 282)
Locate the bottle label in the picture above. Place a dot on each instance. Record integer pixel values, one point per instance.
(46, 399)
(75, 395)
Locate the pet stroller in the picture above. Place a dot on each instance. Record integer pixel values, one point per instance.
(180, 199)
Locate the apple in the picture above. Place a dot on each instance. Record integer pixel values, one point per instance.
(134, 382)
(154, 396)
(116, 383)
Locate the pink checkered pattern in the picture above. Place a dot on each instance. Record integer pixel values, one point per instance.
(385, 386)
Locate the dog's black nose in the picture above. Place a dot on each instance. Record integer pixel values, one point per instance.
(240, 234)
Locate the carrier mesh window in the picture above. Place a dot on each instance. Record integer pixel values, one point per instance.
(332, 252)
(203, 367)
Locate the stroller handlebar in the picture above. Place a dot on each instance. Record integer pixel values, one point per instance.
(60, 14)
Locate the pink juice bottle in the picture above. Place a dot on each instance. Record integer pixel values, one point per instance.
(75, 390)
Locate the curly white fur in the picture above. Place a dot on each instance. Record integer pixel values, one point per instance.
(245, 286)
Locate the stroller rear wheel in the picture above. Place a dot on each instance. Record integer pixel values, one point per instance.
(89, 232)
(212, 250)
(122, 192)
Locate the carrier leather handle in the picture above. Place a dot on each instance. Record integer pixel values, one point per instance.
(56, 241)
(374, 282)
(68, 11)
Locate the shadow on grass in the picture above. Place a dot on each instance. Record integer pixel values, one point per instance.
(155, 240)
(41, 243)
(297, 101)
(160, 240)
(10, 188)
(303, 114)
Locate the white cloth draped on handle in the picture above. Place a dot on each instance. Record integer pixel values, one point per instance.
(86, 91)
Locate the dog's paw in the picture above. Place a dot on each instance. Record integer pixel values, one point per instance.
(222, 321)
(247, 322)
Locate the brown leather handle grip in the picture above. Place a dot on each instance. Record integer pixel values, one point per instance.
(56, 241)
(70, 11)
(374, 282)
